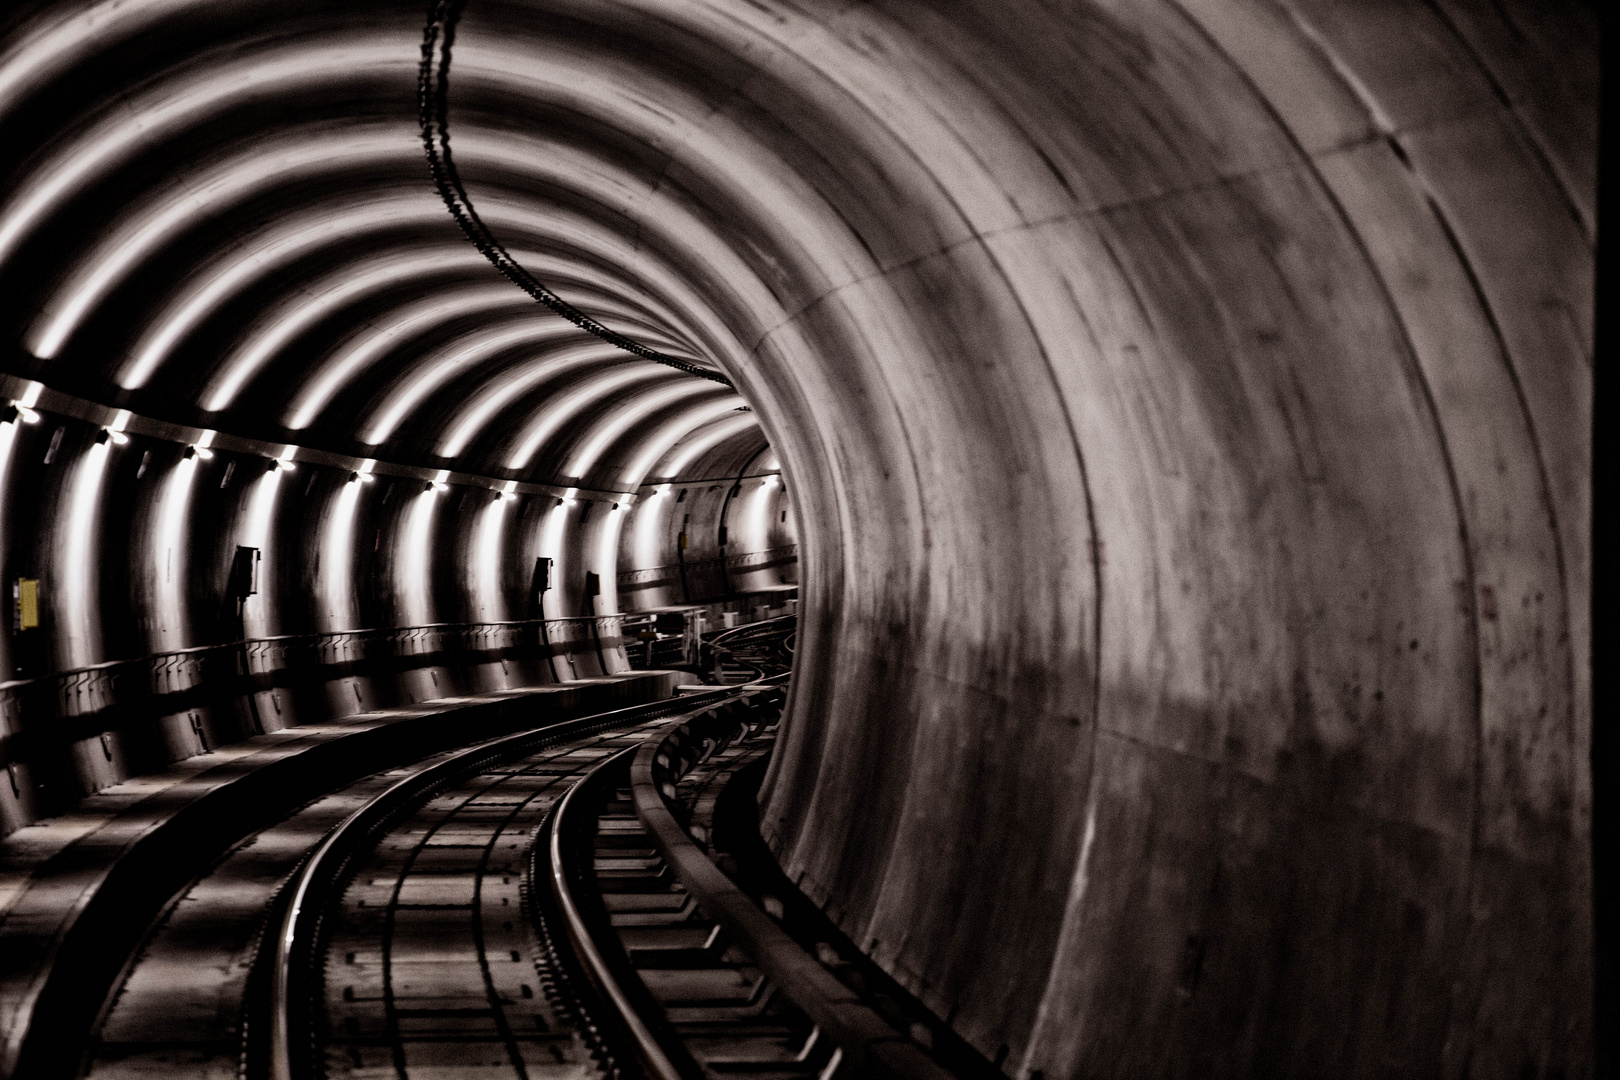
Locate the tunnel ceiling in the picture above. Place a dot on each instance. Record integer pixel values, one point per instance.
(220, 216)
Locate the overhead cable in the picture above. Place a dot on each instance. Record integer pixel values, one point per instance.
(433, 99)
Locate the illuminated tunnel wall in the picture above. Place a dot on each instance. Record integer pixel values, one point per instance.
(128, 530)
(1185, 405)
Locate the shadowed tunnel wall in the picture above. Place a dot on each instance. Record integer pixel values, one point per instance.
(1185, 405)
(1197, 683)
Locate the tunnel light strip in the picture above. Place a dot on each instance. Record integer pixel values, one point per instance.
(477, 413)
(649, 517)
(673, 432)
(49, 50)
(432, 372)
(365, 348)
(703, 443)
(169, 550)
(284, 246)
(607, 559)
(558, 411)
(337, 561)
(101, 270)
(80, 587)
(637, 410)
(414, 578)
(757, 533)
(258, 620)
(8, 442)
(486, 567)
(551, 543)
(273, 332)
(433, 98)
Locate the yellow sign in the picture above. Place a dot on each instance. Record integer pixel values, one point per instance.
(27, 603)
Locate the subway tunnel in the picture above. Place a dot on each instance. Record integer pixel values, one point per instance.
(1168, 422)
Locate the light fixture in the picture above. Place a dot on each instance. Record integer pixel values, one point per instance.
(285, 464)
(117, 437)
(18, 411)
(199, 451)
(361, 477)
(429, 485)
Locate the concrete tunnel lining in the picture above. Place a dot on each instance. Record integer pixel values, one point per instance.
(1185, 409)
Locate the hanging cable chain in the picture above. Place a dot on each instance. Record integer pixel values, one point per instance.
(433, 100)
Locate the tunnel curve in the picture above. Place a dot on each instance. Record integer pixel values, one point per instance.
(1184, 408)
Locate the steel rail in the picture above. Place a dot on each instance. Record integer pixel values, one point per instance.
(654, 1060)
(869, 1043)
(298, 930)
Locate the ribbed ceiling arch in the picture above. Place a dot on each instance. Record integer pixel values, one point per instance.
(237, 230)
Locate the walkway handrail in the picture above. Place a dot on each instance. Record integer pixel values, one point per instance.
(92, 688)
(321, 636)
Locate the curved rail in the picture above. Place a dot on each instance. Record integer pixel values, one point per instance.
(298, 933)
(865, 1039)
(645, 1030)
(655, 1061)
(759, 646)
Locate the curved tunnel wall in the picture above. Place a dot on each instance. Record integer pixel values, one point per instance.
(130, 548)
(671, 542)
(1186, 405)
(1274, 349)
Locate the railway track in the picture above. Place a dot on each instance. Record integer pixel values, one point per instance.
(687, 1000)
(755, 651)
(552, 904)
(402, 945)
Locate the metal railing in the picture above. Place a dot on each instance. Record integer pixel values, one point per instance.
(182, 676)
